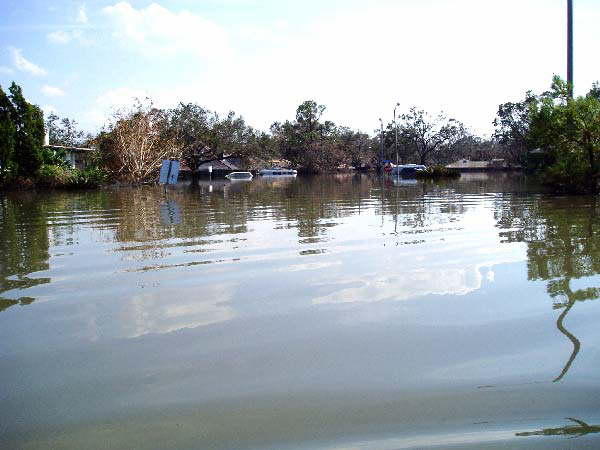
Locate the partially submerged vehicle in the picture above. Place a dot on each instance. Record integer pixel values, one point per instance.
(239, 176)
(407, 170)
(278, 171)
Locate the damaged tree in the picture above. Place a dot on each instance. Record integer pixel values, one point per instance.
(136, 142)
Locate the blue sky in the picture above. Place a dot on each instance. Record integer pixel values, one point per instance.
(261, 58)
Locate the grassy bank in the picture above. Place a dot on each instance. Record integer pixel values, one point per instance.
(58, 177)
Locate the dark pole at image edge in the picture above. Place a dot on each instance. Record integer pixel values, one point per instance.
(381, 146)
(570, 47)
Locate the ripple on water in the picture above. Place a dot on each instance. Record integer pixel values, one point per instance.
(345, 297)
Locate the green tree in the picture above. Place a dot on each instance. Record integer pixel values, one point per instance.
(191, 125)
(64, 131)
(307, 143)
(29, 135)
(569, 131)
(512, 128)
(307, 118)
(266, 145)
(355, 147)
(595, 90)
(204, 136)
(425, 135)
(231, 137)
(7, 136)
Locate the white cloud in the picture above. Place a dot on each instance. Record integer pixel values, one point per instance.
(25, 65)
(52, 91)
(95, 118)
(120, 98)
(282, 25)
(49, 109)
(81, 15)
(6, 70)
(59, 37)
(64, 37)
(111, 101)
(156, 30)
(123, 98)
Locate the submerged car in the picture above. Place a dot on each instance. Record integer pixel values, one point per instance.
(239, 176)
(277, 171)
(407, 170)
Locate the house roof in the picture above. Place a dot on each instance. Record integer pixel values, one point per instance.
(467, 164)
(69, 149)
(222, 164)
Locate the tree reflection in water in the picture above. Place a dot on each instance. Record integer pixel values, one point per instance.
(23, 245)
(562, 245)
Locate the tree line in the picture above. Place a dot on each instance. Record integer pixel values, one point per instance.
(139, 137)
(550, 133)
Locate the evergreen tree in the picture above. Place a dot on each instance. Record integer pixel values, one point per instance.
(7, 135)
(29, 136)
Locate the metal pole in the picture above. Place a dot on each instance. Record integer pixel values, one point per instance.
(168, 175)
(570, 47)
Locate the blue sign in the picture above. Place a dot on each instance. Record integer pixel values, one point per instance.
(170, 213)
(169, 172)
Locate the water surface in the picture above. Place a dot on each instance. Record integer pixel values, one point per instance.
(328, 312)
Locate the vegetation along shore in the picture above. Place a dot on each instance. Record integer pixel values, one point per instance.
(550, 135)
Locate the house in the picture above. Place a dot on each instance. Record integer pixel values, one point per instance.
(77, 157)
(220, 166)
(465, 165)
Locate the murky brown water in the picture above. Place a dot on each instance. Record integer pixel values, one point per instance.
(326, 312)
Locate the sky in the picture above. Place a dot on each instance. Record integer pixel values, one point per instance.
(262, 58)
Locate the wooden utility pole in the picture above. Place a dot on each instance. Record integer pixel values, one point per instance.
(570, 47)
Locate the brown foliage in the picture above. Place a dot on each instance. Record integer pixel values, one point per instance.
(136, 143)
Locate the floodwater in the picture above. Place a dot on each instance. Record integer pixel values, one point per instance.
(334, 312)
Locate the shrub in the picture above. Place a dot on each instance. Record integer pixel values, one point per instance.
(87, 178)
(570, 174)
(54, 157)
(53, 176)
(50, 175)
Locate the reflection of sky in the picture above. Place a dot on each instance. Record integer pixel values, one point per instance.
(443, 260)
(174, 309)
